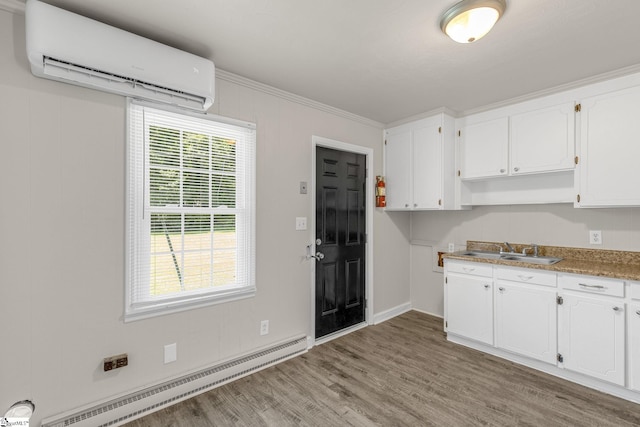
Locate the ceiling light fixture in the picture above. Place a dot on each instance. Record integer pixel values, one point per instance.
(470, 20)
(20, 411)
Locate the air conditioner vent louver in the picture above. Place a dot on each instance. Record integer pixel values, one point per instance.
(113, 60)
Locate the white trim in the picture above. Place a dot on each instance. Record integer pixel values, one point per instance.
(318, 141)
(554, 370)
(270, 90)
(391, 313)
(440, 316)
(341, 333)
(13, 6)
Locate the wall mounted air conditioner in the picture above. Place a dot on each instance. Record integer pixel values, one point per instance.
(74, 49)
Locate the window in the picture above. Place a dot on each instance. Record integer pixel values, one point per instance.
(191, 216)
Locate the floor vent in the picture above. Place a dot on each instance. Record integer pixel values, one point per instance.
(135, 405)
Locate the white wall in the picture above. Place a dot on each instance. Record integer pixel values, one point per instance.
(62, 175)
(554, 225)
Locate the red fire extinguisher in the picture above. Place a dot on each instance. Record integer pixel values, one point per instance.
(381, 195)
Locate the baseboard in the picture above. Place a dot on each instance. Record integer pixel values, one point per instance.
(125, 408)
(440, 316)
(391, 313)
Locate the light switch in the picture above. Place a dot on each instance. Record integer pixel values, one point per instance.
(170, 353)
(301, 223)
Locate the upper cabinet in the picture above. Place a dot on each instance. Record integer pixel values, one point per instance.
(420, 164)
(609, 149)
(527, 138)
(543, 140)
(484, 148)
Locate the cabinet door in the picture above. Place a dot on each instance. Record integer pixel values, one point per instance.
(592, 337)
(469, 303)
(609, 172)
(634, 346)
(526, 320)
(427, 167)
(543, 140)
(398, 170)
(484, 148)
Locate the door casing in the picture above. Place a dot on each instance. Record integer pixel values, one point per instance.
(318, 141)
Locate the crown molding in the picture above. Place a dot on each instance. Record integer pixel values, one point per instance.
(13, 6)
(270, 90)
(632, 69)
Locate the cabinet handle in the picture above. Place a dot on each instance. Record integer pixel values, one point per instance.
(501, 289)
(584, 285)
(468, 270)
(616, 309)
(406, 205)
(415, 205)
(525, 278)
(516, 169)
(502, 171)
(486, 286)
(638, 312)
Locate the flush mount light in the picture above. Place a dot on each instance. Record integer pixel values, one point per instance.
(470, 20)
(20, 410)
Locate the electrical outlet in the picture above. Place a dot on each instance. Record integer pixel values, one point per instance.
(170, 353)
(264, 327)
(114, 362)
(303, 187)
(452, 247)
(595, 237)
(301, 223)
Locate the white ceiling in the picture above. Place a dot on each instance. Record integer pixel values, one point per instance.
(387, 59)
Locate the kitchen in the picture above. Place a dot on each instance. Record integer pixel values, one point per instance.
(68, 329)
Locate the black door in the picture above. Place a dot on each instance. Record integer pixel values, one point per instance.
(340, 234)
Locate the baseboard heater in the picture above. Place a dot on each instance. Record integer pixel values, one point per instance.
(126, 408)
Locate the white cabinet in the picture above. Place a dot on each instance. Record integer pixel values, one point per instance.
(484, 148)
(608, 170)
(634, 346)
(527, 138)
(525, 313)
(397, 171)
(592, 328)
(469, 301)
(420, 165)
(543, 140)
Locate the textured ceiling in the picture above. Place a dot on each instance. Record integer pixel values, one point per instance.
(387, 59)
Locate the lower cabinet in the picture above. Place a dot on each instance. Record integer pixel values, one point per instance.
(469, 301)
(526, 320)
(634, 346)
(592, 337)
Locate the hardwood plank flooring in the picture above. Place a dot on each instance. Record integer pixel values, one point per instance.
(402, 372)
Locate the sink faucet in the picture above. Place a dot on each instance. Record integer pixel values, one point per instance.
(511, 250)
(533, 247)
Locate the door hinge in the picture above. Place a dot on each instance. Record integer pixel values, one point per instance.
(446, 280)
(559, 300)
(366, 237)
(385, 142)
(366, 302)
(446, 324)
(560, 358)
(366, 173)
(576, 160)
(439, 202)
(459, 134)
(458, 172)
(578, 198)
(578, 108)
(440, 129)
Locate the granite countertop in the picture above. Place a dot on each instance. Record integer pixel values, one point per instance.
(591, 262)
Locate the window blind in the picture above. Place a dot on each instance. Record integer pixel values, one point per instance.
(191, 211)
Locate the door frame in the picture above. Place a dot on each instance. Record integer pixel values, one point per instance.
(318, 141)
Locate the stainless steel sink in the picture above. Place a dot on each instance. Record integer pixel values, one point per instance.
(546, 260)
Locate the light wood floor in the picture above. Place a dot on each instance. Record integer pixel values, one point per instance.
(399, 373)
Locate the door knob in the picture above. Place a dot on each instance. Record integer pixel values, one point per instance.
(319, 256)
(318, 242)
